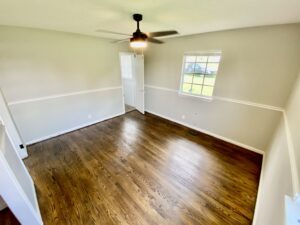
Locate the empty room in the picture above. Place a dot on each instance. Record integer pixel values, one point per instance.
(164, 112)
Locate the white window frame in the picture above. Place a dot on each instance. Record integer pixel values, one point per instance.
(198, 53)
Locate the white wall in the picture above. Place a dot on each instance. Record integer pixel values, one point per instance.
(9, 123)
(258, 66)
(56, 81)
(280, 173)
(276, 181)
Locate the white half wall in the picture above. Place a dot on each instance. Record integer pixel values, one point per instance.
(55, 82)
(249, 126)
(44, 118)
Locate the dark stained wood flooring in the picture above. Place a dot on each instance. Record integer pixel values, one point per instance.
(140, 169)
(8, 218)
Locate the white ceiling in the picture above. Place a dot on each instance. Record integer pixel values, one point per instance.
(186, 16)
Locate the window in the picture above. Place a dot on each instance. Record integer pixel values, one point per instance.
(199, 73)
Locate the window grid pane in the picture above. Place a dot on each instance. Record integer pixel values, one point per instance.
(200, 74)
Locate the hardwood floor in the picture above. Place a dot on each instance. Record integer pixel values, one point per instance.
(8, 218)
(141, 169)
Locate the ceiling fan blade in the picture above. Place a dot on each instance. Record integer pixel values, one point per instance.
(153, 40)
(111, 32)
(120, 41)
(162, 33)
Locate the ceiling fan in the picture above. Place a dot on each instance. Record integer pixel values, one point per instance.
(139, 39)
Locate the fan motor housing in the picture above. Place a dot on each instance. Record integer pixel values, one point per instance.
(137, 17)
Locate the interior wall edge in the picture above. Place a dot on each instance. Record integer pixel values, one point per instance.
(248, 103)
(73, 129)
(259, 190)
(248, 147)
(292, 156)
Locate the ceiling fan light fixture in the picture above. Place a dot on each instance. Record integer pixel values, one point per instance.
(138, 38)
(138, 42)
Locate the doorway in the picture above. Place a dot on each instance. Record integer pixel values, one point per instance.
(132, 74)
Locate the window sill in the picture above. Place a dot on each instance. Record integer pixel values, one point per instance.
(200, 97)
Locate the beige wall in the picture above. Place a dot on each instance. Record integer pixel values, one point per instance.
(258, 65)
(37, 64)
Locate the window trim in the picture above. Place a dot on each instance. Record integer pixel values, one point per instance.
(198, 53)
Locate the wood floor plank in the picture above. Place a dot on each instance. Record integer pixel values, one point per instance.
(142, 169)
(8, 218)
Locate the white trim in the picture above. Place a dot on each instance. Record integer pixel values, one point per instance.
(291, 152)
(73, 128)
(203, 53)
(202, 97)
(248, 103)
(237, 101)
(259, 151)
(63, 95)
(161, 88)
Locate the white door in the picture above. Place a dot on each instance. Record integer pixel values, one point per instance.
(139, 83)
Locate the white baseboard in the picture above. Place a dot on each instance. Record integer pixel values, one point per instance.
(253, 149)
(73, 129)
